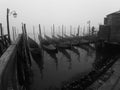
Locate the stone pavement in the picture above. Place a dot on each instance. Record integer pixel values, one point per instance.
(113, 83)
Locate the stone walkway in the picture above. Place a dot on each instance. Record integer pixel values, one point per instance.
(113, 83)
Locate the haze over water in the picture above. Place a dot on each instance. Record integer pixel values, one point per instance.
(66, 70)
(58, 12)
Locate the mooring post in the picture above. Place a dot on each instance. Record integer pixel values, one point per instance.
(53, 30)
(70, 30)
(40, 31)
(83, 30)
(89, 27)
(59, 30)
(44, 31)
(65, 30)
(74, 30)
(78, 30)
(62, 30)
(34, 33)
(1, 29)
(25, 29)
(40, 36)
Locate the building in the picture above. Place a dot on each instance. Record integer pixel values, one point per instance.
(110, 31)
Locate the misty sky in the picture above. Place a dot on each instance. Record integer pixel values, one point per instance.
(48, 12)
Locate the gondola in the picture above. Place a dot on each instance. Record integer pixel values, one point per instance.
(63, 46)
(51, 40)
(50, 48)
(64, 52)
(52, 51)
(43, 41)
(75, 51)
(36, 53)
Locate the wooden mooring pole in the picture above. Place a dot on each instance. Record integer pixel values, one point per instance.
(34, 33)
(1, 29)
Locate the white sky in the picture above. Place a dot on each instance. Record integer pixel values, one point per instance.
(48, 12)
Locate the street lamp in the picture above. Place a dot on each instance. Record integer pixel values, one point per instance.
(8, 29)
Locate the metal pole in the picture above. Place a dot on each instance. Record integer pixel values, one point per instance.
(8, 30)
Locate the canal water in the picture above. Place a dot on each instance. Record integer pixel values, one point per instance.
(56, 72)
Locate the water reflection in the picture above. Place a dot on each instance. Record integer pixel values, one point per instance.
(37, 54)
(105, 57)
(69, 65)
(38, 58)
(77, 52)
(73, 71)
(105, 54)
(52, 53)
(24, 70)
(67, 55)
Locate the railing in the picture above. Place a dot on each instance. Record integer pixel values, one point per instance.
(15, 66)
(4, 43)
(4, 40)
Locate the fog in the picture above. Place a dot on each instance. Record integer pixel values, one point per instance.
(58, 12)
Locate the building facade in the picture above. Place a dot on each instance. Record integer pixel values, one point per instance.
(110, 31)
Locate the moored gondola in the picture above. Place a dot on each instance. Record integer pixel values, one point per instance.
(50, 48)
(36, 54)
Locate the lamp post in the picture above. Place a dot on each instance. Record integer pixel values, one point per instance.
(8, 28)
